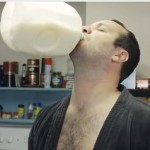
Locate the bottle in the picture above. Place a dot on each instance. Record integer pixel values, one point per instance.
(1, 75)
(1, 111)
(47, 72)
(70, 74)
(37, 109)
(70, 67)
(57, 80)
(23, 75)
(47, 36)
(42, 72)
(21, 111)
(9, 74)
(30, 111)
(16, 68)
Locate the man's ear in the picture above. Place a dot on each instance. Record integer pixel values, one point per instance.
(120, 55)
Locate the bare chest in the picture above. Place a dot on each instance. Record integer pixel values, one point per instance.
(77, 134)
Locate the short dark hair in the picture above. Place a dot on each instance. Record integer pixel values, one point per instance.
(130, 44)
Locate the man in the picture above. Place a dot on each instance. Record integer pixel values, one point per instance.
(99, 114)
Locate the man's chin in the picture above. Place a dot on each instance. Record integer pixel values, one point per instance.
(79, 48)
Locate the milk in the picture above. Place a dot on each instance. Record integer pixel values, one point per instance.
(44, 29)
(44, 40)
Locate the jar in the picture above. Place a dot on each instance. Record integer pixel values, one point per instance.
(4, 115)
(32, 76)
(1, 75)
(33, 66)
(10, 70)
(21, 111)
(15, 115)
(1, 111)
(9, 115)
(57, 80)
(37, 107)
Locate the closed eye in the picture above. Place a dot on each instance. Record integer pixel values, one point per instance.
(102, 30)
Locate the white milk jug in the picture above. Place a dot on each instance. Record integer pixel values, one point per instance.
(41, 28)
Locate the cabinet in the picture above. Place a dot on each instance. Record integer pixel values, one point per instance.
(11, 97)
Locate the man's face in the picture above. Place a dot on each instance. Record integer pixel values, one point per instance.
(99, 38)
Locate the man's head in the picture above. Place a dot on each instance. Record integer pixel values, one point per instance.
(130, 44)
(105, 42)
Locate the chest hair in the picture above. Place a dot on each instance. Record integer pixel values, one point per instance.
(79, 133)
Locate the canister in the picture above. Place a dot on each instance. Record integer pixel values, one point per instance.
(32, 76)
(10, 70)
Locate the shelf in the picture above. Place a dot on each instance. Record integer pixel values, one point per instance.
(12, 96)
(33, 89)
(134, 92)
(16, 95)
(17, 121)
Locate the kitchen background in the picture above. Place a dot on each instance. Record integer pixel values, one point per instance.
(135, 16)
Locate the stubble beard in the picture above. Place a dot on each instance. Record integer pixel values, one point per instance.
(85, 59)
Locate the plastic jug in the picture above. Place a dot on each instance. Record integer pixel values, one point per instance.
(43, 29)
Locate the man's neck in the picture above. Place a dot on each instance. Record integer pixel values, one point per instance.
(93, 91)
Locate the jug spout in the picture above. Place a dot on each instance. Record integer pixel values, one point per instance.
(82, 36)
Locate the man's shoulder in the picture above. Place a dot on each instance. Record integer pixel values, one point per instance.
(135, 104)
(47, 113)
(140, 105)
(137, 107)
(50, 109)
(140, 110)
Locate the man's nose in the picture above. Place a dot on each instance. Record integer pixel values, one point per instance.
(86, 29)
